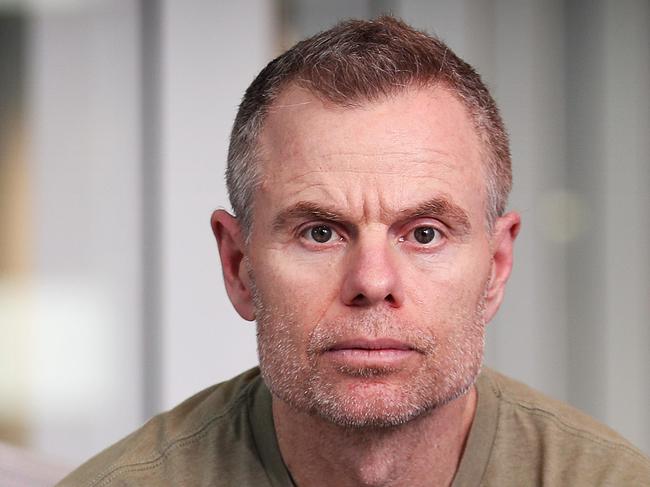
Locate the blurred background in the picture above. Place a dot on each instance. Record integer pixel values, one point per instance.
(114, 121)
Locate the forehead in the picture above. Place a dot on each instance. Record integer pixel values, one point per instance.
(391, 150)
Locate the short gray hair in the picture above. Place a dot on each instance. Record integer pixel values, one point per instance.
(359, 61)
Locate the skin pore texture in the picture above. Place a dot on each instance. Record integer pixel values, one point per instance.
(371, 276)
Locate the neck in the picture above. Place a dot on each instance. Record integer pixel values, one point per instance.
(424, 451)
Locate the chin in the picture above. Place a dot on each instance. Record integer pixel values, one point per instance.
(380, 414)
(375, 402)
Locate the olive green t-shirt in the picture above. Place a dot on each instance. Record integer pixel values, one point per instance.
(224, 436)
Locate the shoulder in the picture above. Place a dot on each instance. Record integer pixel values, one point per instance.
(557, 442)
(215, 418)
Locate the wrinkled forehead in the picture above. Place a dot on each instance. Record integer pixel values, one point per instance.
(299, 116)
(415, 133)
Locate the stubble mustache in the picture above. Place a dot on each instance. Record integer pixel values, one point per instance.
(373, 324)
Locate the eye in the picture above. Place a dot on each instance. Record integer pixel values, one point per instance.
(321, 234)
(424, 235)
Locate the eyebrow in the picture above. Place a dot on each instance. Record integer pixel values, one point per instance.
(305, 210)
(440, 207)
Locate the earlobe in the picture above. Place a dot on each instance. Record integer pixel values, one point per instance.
(232, 250)
(505, 232)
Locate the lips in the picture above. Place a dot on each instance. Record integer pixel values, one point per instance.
(371, 344)
(370, 353)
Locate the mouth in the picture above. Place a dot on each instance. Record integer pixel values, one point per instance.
(374, 344)
(370, 353)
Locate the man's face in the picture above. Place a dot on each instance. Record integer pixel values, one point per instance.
(369, 255)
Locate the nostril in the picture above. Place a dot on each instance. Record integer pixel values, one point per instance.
(359, 299)
(362, 300)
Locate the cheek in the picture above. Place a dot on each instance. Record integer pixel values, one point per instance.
(303, 288)
(445, 287)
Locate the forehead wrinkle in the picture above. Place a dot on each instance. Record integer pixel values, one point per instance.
(367, 172)
(388, 162)
(366, 204)
(295, 191)
(413, 155)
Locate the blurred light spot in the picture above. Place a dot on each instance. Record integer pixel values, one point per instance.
(562, 215)
(58, 340)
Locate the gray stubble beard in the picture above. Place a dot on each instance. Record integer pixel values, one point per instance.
(442, 378)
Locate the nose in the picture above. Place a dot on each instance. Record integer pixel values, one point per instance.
(372, 276)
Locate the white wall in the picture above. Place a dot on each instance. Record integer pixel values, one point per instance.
(626, 225)
(211, 53)
(83, 297)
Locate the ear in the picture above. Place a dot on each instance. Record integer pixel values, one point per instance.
(505, 232)
(232, 248)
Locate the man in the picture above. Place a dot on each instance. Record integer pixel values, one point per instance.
(368, 171)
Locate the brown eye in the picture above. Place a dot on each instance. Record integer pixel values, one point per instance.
(321, 233)
(425, 235)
